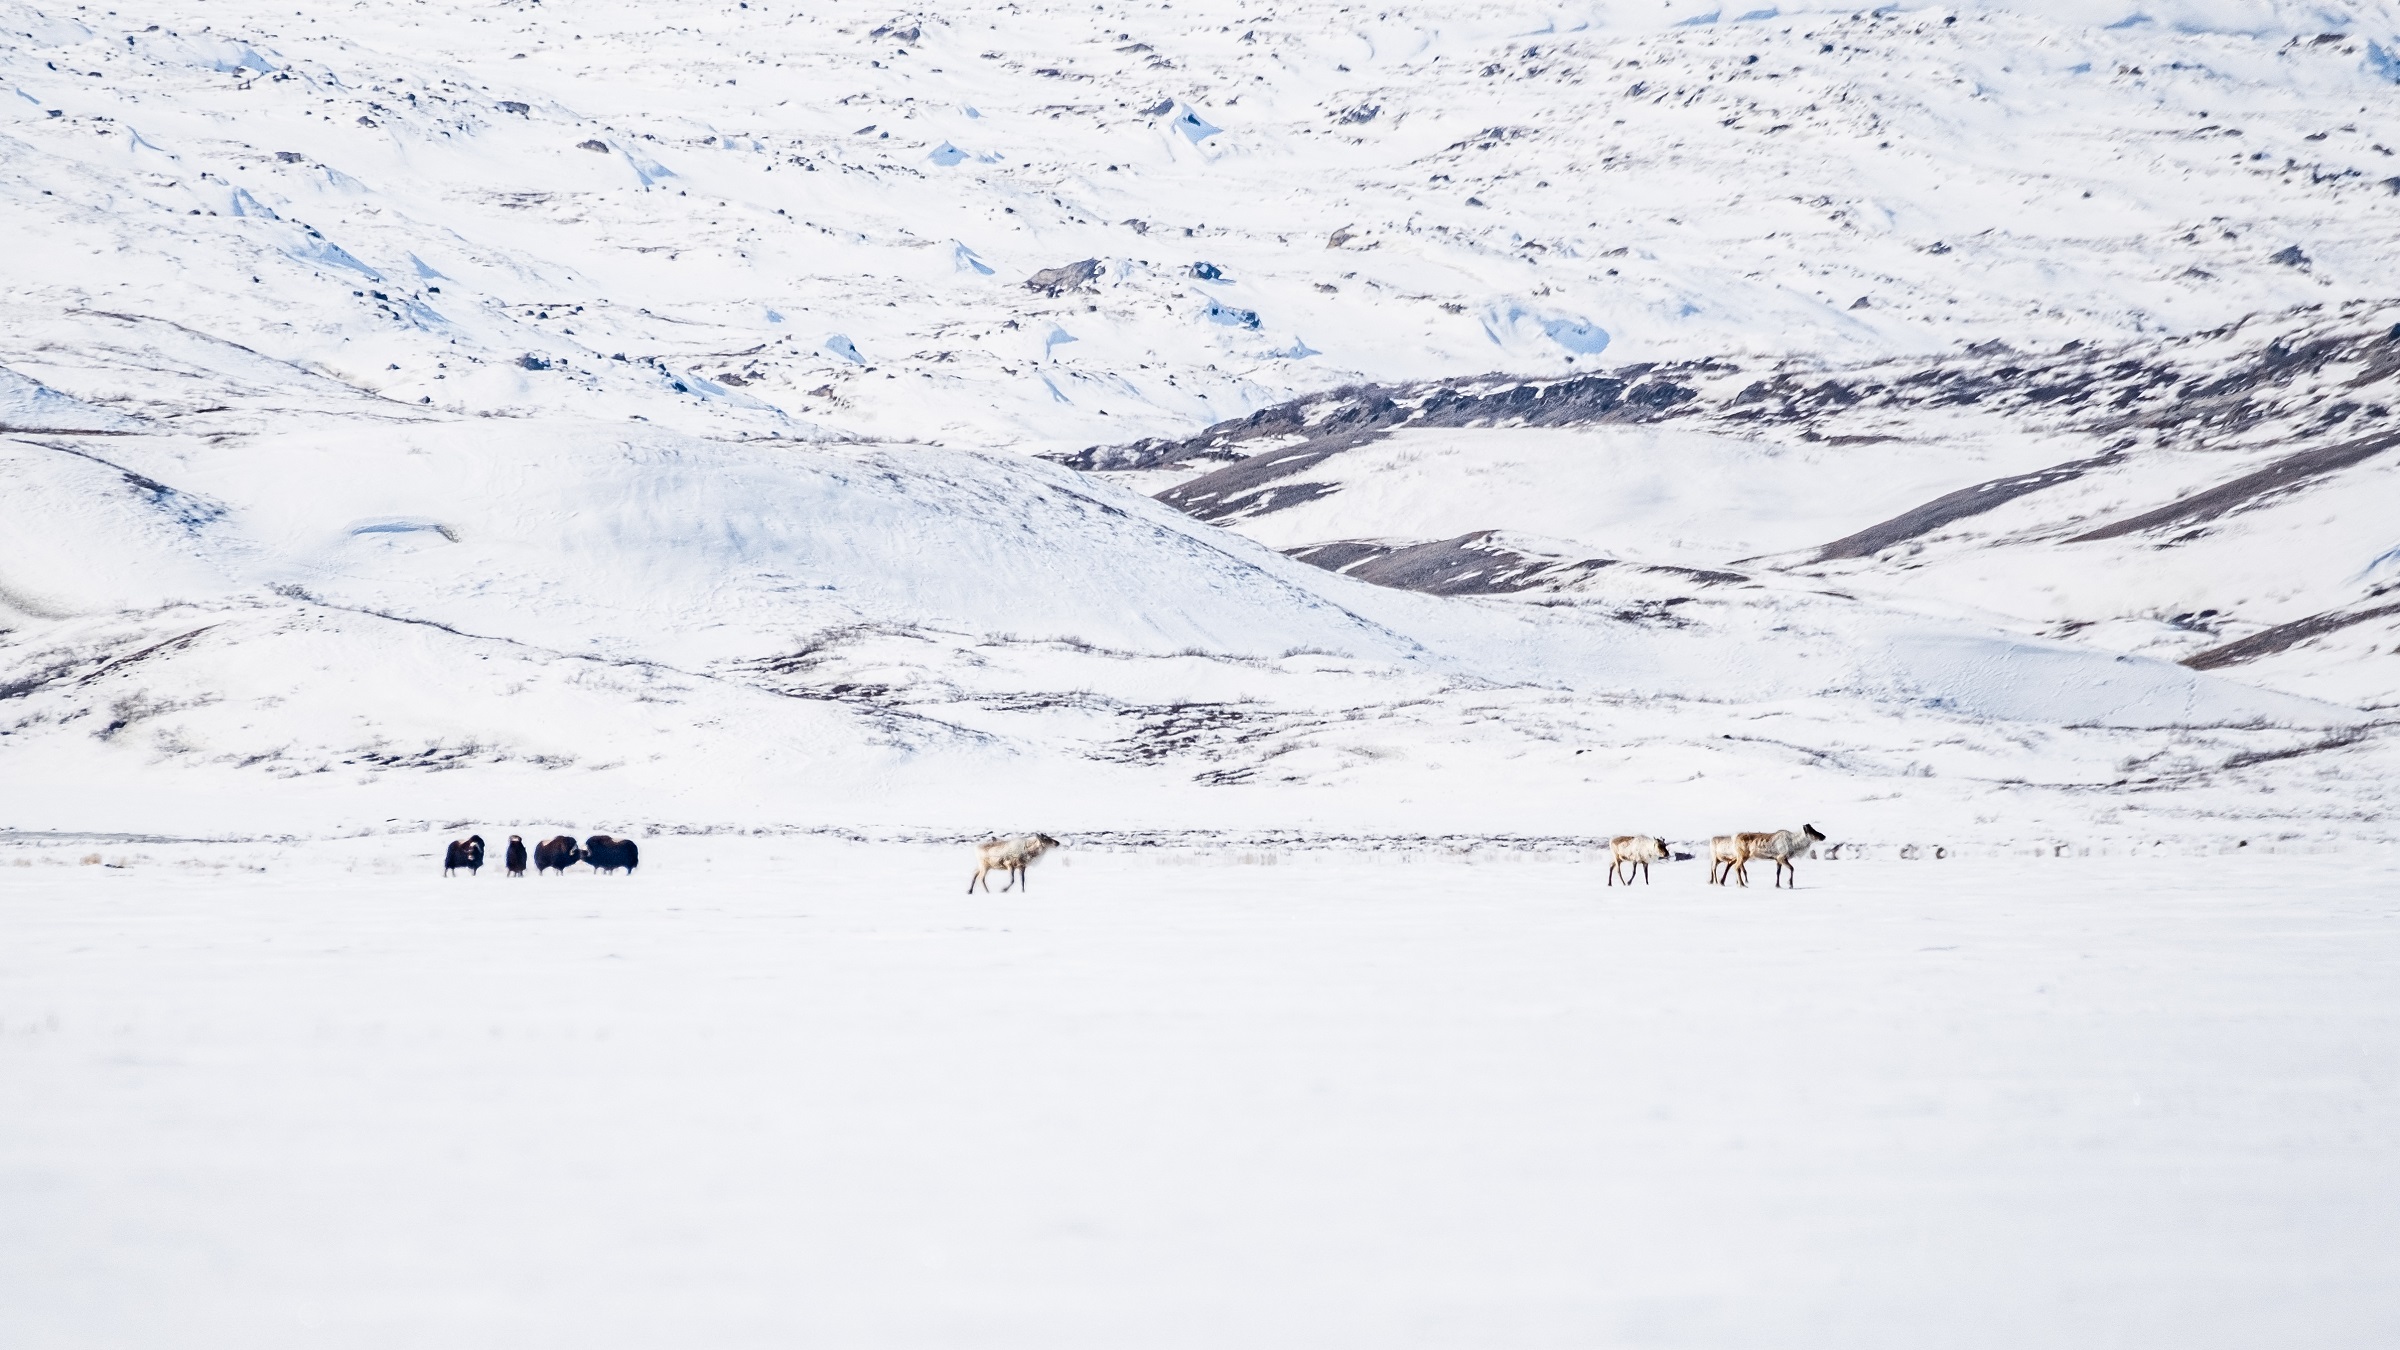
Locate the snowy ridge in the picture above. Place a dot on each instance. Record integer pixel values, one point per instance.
(28, 405)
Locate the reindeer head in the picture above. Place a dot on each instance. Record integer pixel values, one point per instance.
(1812, 832)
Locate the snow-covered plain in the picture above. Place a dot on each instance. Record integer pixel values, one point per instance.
(797, 1091)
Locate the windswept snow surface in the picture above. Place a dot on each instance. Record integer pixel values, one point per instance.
(798, 1092)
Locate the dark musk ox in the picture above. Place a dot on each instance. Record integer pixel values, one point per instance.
(608, 854)
(516, 855)
(466, 853)
(559, 851)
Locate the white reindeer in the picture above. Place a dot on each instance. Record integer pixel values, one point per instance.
(1630, 851)
(1738, 851)
(1012, 856)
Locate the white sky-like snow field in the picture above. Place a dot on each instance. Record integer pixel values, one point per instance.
(778, 1091)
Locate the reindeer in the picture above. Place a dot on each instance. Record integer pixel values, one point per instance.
(1782, 847)
(1779, 847)
(1630, 851)
(1012, 856)
(1724, 855)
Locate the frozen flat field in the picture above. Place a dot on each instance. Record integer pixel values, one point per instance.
(792, 1092)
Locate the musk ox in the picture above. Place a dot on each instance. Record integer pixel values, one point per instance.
(558, 851)
(516, 855)
(466, 853)
(608, 854)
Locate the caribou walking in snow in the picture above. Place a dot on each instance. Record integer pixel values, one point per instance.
(1012, 856)
(1630, 851)
(1733, 853)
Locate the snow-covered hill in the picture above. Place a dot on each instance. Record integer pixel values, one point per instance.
(624, 411)
(413, 200)
(2223, 499)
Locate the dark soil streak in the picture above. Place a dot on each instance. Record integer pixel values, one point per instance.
(1956, 506)
(2289, 474)
(1471, 564)
(177, 644)
(190, 511)
(2284, 636)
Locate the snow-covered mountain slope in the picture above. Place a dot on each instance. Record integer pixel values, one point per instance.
(674, 629)
(2223, 499)
(620, 411)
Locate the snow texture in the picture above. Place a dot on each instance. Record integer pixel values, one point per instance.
(783, 1091)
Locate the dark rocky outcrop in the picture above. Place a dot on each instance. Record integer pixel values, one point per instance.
(1057, 281)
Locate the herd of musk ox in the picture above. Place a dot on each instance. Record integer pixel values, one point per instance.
(602, 852)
